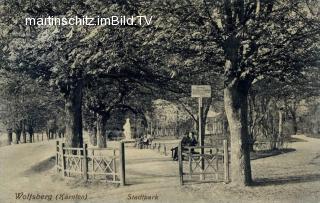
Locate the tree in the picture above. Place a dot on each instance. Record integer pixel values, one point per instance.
(237, 41)
(29, 105)
(68, 57)
(104, 97)
(253, 39)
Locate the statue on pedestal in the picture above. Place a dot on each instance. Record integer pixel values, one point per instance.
(127, 130)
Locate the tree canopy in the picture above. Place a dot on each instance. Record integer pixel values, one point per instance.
(232, 45)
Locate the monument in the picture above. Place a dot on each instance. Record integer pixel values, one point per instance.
(127, 130)
(128, 137)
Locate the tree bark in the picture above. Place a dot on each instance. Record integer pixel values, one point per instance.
(280, 135)
(9, 136)
(251, 121)
(294, 122)
(93, 135)
(73, 107)
(102, 130)
(24, 134)
(30, 131)
(274, 133)
(31, 137)
(236, 107)
(18, 135)
(48, 134)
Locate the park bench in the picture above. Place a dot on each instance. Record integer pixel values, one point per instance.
(143, 144)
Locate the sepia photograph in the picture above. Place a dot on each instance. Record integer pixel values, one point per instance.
(160, 101)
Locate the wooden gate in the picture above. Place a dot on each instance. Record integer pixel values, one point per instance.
(203, 164)
(106, 164)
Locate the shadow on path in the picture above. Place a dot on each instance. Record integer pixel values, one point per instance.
(286, 180)
(269, 153)
(42, 166)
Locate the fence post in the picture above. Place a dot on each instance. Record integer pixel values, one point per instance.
(226, 161)
(122, 164)
(114, 167)
(62, 158)
(202, 163)
(217, 162)
(85, 162)
(190, 163)
(57, 155)
(180, 163)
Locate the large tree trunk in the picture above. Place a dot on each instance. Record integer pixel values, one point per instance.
(18, 135)
(92, 128)
(102, 130)
(251, 121)
(30, 137)
(274, 133)
(294, 122)
(48, 134)
(24, 134)
(251, 142)
(73, 107)
(93, 135)
(9, 136)
(236, 107)
(280, 135)
(30, 131)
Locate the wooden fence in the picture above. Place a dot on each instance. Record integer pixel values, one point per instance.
(203, 164)
(106, 164)
(163, 148)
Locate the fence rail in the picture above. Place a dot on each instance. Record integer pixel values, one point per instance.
(163, 148)
(203, 163)
(92, 164)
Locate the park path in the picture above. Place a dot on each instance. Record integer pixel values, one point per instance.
(290, 177)
(145, 168)
(15, 161)
(148, 166)
(303, 163)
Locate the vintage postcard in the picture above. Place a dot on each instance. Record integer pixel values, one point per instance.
(159, 101)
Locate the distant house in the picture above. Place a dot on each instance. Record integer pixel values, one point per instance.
(216, 123)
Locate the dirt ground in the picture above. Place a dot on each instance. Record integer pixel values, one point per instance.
(289, 177)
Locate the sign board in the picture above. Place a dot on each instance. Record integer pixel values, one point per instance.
(201, 91)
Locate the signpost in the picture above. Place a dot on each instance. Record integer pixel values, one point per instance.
(201, 91)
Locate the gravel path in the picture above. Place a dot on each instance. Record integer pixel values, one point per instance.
(290, 177)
